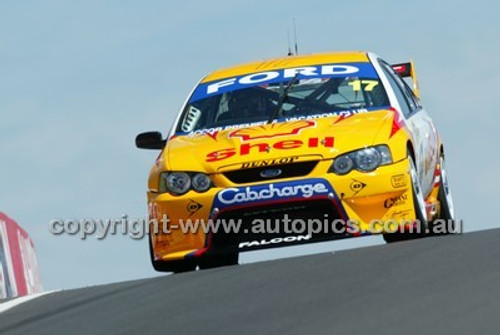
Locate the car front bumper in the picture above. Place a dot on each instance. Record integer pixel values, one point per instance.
(384, 195)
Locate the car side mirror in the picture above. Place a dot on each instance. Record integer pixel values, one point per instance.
(150, 140)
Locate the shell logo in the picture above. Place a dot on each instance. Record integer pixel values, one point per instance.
(272, 130)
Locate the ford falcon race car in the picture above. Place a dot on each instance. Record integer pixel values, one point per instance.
(295, 150)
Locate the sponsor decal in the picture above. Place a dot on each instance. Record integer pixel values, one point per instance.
(269, 162)
(400, 215)
(272, 130)
(209, 89)
(348, 114)
(216, 130)
(395, 201)
(277, 240)
(399, 181)
(193, 206)
(270, 173)
(302, 189)
(259, 147)
(213, 132)
(341, 115)
(231, 196)
(357, 186)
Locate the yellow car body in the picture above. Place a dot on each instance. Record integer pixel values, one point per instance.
(303, 148)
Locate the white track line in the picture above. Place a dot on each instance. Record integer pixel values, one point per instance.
(18, 301)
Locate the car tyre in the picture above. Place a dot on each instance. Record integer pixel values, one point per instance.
(218, 260)
(447, 211)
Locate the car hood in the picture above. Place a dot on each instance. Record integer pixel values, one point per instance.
(322, 138)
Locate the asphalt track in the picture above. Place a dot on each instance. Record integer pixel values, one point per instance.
(443, 285)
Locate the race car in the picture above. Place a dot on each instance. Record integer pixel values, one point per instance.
(293, 150)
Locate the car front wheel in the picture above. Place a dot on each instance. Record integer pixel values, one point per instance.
(445, 223)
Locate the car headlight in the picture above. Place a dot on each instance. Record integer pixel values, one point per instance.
(175, 182)
(365, 160)
(343, 164)
(179, 183)
(201, 182)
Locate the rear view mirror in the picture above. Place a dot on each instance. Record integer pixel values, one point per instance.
(150, 140)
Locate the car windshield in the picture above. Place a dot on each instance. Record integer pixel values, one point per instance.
(255, 98)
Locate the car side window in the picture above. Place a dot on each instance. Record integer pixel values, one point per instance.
(412, 99)
(402, 99)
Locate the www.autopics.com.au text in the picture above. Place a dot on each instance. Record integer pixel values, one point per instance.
(138, 228)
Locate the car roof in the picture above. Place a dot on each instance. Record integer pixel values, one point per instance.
(287, 62)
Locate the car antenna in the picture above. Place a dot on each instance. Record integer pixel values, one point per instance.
(295, 37)
(290, 53)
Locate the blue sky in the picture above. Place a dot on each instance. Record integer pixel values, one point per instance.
(79, 79)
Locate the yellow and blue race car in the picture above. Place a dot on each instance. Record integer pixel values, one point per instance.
(293, 150)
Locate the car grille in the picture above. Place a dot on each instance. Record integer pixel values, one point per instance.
(273, 215)
(251, 175)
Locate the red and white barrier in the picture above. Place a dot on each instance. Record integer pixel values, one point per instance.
(19, 274)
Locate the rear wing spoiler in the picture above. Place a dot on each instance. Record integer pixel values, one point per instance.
(407, 70)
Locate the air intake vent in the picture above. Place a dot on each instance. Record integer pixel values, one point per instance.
(243, 176)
